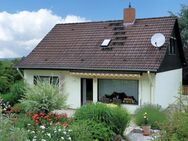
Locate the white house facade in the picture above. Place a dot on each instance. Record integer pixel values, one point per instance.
(161, 88)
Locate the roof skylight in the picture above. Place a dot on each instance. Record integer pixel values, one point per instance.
(105, 43)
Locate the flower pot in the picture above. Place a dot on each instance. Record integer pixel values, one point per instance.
(146, 130)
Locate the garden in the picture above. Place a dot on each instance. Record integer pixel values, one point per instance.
(27, 114)
(30, 117)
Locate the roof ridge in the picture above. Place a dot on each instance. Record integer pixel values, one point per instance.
(109, 21)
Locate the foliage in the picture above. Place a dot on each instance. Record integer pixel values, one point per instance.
(16, 92)
(183, 21)
(49, 133)
(17, 108)
(8, 75)
(9, 133)
(113, 116)
(90, 130)
(155, 115)
(80, 131)
(22, 121)
(43, 97)
(176, 127)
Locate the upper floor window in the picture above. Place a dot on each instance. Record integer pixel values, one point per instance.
(47, 79)
(172, 47)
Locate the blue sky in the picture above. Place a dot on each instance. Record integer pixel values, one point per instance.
(95, 9)
(23, 23)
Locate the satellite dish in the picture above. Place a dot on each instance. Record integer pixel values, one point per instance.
(158, 39)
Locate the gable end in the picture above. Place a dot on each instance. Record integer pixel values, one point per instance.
(174, 57)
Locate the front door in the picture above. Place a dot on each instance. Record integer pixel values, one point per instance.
(86, 90)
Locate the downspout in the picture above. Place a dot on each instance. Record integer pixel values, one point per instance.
(20, 73)
(151, 87)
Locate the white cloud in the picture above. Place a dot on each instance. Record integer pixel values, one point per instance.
(21, 32)
(6, 53)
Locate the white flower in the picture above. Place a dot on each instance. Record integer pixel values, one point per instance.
(42, 127)
(70, 130)
(59, 130)
(49, 134)
(35, 137)
(34, 140)
(43, 140)
(65, 132)
(28, 124)
(62, 138)
(33, 132)
(69, 138)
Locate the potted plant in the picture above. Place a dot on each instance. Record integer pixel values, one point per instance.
(146, 127)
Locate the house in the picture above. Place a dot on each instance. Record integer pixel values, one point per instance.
(111, 61)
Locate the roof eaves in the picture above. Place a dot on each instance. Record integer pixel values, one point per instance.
(96, 69)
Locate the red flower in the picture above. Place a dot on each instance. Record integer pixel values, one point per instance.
(65, 124)
(35, 116)
(42, 114)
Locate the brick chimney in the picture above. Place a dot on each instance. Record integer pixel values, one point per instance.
(129, 16)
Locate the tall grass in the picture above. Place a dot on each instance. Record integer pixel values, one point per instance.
(43, 97)
(155, 114)
(114, 117)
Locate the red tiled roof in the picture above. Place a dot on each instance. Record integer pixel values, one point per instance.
(77, 46)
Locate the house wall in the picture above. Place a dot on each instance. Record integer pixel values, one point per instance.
(167, 85)
(70, 84)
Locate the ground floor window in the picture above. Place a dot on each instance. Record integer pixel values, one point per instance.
(48, 79)
(118, 91)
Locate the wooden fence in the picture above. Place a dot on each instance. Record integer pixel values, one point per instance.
(185, 89)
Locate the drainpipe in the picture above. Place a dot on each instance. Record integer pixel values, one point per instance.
(151, 86)
(20, 73)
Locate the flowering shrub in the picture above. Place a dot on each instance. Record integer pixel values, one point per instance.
(49, 127)
(49, 133)
(50, 119)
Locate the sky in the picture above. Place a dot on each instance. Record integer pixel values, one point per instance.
(23, 23)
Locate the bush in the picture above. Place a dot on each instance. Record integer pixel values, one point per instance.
(10, 133)
(8, 97)
(88, 130)
(22, 121)
(17, 91)
(154, 113)
(43, 97)
(17, 108)
(113, 116)
(49, 133)
(176, 127)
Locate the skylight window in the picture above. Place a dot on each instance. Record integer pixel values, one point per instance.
(105, 43)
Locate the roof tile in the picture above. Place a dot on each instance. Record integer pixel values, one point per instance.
(77, 46)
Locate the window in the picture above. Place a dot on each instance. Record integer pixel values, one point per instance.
(105, 42)
(121, 91)
(172, 47)
(48, 79)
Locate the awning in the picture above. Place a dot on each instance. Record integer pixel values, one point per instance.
(106, 75)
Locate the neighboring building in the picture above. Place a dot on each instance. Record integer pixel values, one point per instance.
(110, 61)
